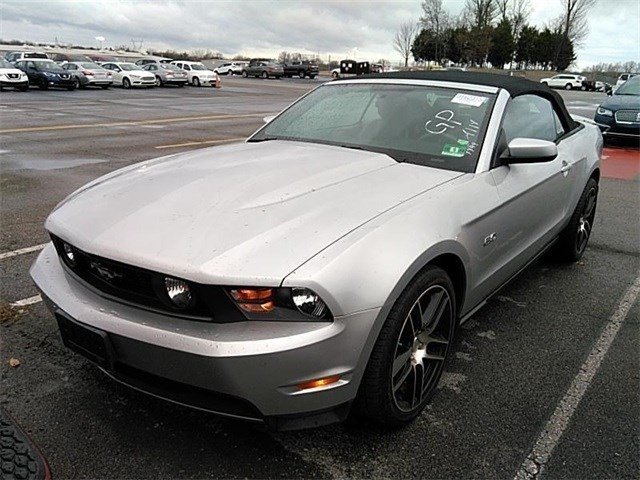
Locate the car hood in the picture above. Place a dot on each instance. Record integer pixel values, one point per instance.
(616, 102)
(243, 214)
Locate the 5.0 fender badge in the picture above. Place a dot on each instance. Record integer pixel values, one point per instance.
(490, 238)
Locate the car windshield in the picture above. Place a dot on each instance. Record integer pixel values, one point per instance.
(198, 66)
(129, 66)
(5, 64)
(433, 126)
(168, 66)
(90, 66)
(48, 65)
(630, 87)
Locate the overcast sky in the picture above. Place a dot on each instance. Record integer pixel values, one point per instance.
(266, 27)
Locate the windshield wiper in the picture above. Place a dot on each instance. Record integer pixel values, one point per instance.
(263, 139)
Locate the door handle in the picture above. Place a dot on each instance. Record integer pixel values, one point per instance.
(565, 167)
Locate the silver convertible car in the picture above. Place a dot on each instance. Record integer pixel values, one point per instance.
(323, 265)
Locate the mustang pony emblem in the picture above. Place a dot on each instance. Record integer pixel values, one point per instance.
(105, 273)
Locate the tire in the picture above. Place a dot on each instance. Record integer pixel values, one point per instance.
(568, 86)
(264, 75)
(196, 82)
(335, 75)
(545, 83)
(24, 88)
(312, 77)
(398, 361)
(575, 236)
(159, 82)
(126, 83)
(71, 88)
(583, 88)
(301, 74)
(244, 74)
(42, 85)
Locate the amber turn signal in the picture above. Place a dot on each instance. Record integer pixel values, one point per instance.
(254, 300)
(320, 382)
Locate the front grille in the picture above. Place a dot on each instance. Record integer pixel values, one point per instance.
(13, 75)
(628, 116)
(145, 288)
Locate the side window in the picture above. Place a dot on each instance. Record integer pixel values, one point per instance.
(559, 128)
(186, 67)
(531, 116)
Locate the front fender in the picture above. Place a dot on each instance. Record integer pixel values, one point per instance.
(371, 266)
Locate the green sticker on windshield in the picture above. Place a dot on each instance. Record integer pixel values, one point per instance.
(455, 149)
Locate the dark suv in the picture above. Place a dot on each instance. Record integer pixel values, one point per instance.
(301, 69)
(619, 115)
(47, 73)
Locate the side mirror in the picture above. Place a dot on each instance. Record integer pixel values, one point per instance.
(268, 119)
(529, 150)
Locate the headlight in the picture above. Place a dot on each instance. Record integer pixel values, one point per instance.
(179, 293)
(605, 111)
(308, 302)
(49, 74)
(280, 304)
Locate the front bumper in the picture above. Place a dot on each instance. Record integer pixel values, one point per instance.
(246, 370)
(61, 82)
(610, 127)
(207, 81)
(137, 82)
(14, 83)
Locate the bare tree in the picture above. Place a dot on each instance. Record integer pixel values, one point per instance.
(573, 21)
(403, 40)
(503, 9)
(483, 12)
(520, 11)
(436, 19)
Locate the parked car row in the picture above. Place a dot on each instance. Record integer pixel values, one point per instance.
(81, 71)
(569, 81)
(38, 70)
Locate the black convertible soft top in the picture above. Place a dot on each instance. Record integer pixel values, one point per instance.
(516, 86)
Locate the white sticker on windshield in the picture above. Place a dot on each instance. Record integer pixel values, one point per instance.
(466, 99)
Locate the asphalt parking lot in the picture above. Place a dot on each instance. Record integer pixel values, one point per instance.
(508, 390)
